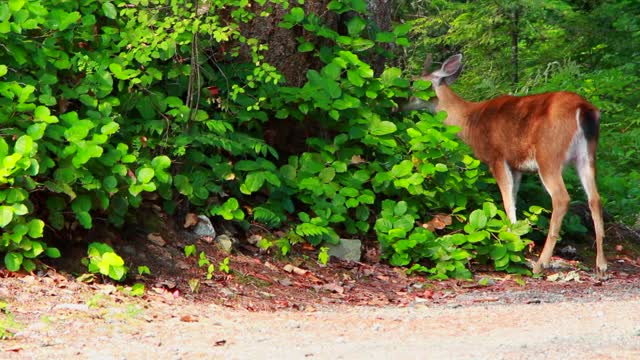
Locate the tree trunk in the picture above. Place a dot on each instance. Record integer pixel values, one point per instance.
(381, 16)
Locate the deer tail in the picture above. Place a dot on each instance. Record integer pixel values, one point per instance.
(590, 123)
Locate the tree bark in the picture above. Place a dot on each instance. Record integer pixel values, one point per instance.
(282, 43)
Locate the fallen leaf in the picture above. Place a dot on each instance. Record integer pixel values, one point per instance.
(156, 238)
(308, 247)
(428, 294)
(13, 349)
(270, 266)
(190, 220)
(357, 159)
(553, 277)
(333, 287)
(188, 318)
(439, 222)
(294, 269)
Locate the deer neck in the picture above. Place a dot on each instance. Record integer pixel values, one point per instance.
(457, 108)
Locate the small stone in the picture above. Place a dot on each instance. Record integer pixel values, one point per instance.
(224, 243)
(227, 292)
(254, 239)
(204, 227)
(346, 249)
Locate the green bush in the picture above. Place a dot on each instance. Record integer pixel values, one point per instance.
(104, 101)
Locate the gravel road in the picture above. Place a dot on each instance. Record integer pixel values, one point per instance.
(605, 329)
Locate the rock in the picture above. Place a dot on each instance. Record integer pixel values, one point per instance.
(346, 249)
(254, 239)
(225, 243)
(204, 227)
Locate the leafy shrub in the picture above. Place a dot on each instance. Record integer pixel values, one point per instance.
(122, 99)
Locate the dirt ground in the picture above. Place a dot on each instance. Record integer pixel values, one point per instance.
(292, 308)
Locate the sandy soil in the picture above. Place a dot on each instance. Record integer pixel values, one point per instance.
(51, 317)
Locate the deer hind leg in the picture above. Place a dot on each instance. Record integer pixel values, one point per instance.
(553, 183)
(508, 181)
(587, 173)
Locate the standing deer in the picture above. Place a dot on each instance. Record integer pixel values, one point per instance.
(532, 133)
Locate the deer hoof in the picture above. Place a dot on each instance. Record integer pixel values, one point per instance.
(538, 268)
(601, 269)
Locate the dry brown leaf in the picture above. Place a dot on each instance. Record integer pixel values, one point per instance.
(294, 269)
(156, 238)
(439, 222)
(357, 159)
(188, 318)
(333, 287)
(190, 220)
(270, 266)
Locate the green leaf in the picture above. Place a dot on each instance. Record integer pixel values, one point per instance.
(13, 261)
(52, 252)
(296, 15)
(327, 174)
(477, 236)
(14, 6)
(356, 25)
(24, 144)
(385, 37)
(6, 215)
(306, 47)
(161, 162)
(490, 209)
(404, 168)
(110, 183)
(84, 218)
(380, 128)
(3, 70)
(36, 228)
(145, 175)
(109, 11)
(253, 182)
(403, 29)
(110, 128)
(36, 131)
(400, 208)
(183, 185)
(478, 219)
(498, 252)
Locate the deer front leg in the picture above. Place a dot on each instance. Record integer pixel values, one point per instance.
(508, 182)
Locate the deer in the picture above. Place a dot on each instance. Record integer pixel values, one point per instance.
(513, 135)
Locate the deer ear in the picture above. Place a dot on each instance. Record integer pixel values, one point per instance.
(449, 71)
(452, 66)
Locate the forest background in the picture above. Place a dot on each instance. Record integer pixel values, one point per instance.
(281, 115)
